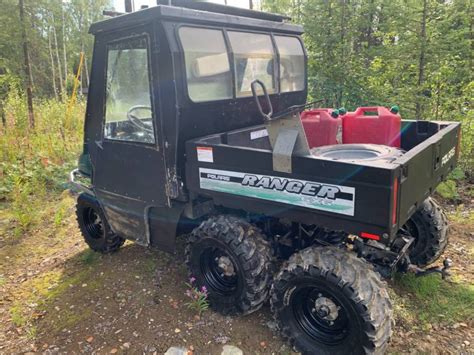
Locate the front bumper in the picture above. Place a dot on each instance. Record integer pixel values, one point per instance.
(78, 186)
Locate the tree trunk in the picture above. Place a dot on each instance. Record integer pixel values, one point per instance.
(64, 50)
(53, 69)
(343, 19)
(86, 68)
(422, 61)
(29, 90)
(60, 74)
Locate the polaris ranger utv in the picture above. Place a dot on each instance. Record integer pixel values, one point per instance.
(193, 127)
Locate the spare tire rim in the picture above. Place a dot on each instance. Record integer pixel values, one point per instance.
(219, 270)
(320, 314)
(351, 154)
(93, 223)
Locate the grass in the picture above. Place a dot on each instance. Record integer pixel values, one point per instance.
(449, 188)
(461, 215)
(435, 300)
(149, 265)
(34, 163)
(17, 314)
(89, 257)
(42, 291)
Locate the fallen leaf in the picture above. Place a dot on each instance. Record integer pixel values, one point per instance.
(90, 339)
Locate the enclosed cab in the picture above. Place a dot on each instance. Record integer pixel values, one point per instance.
(162, 76)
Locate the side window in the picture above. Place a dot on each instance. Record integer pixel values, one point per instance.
(291, 63)
(254, 58)
(128, 111)
(207, 64)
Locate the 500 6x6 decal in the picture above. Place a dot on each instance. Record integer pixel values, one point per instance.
(309, 194)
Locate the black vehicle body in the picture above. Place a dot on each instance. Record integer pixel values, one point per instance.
(147, 189)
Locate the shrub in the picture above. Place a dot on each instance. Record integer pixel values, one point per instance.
(35, 162)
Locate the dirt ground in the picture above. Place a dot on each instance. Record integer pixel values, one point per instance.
(57, 296)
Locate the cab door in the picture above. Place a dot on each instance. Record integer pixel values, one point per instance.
(129, 169)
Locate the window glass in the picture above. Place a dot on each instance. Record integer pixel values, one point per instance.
(253, 59)
(128, 113)
(207, 64)
(291, 63)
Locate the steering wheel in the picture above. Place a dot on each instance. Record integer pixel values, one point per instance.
(137, 122)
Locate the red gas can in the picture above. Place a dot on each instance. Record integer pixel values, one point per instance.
(321, 128)
(376, 125)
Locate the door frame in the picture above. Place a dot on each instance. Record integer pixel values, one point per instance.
(129, 215)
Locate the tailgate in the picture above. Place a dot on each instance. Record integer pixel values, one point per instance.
(425, 166)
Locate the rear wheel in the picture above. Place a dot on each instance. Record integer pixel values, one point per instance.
(231, 258)
(94, 227)
(328, 301)
(429, 227)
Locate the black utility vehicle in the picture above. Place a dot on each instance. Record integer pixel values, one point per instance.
(193, 128)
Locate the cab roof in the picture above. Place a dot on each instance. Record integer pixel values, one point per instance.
(200, 13)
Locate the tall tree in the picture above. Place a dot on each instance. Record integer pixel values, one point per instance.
(58, 60)
(422, 58)
(64, 46)
(53, 69)
(26, 55)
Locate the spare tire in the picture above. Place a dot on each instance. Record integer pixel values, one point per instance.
(357, 152)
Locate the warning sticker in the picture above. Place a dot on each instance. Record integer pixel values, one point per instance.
(204, 154)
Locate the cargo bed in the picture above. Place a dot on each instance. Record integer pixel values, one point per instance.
(372, 197)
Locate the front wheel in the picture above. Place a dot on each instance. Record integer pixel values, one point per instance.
(231, 258)
(94, 227)
(328, 301)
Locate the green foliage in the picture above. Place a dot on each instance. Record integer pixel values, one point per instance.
(385, 52)
(17, 315)
(35, 163)
(198, 297)
(69, 19)
(89, 257)
(448, 190)
(437, 300)
(457, 174)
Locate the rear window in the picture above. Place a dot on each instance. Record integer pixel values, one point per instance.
(254, 58)
(291, 63)
(222, 64)
(207, 64)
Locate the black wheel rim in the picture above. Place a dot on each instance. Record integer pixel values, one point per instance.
(93, 223)
(320, 315)
(223, 281)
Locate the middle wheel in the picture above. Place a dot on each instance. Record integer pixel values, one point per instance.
(232, 259)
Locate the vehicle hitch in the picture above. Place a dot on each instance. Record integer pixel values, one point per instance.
(444, 271)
